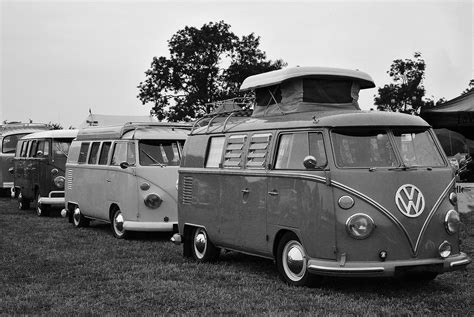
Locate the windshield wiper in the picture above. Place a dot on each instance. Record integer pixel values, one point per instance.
(404, 167)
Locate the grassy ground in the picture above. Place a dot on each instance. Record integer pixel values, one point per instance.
(49, 267)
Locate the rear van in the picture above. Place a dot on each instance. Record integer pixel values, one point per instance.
(125, 175)
(311, 181)
(39, 166)
(10, 133)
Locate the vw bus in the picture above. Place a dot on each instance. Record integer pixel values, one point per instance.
(316, 184)
(10, 133)
(39, 165)
(125, 175)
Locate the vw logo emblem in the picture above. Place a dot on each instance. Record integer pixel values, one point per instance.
(410, 200)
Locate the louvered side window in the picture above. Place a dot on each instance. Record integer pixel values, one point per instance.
(234, 151)
(258, 149)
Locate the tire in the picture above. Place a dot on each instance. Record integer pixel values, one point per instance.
(78, 220)
(23, 203)
(41, 210)
(117, 225)
(202, 249)
(291, 260)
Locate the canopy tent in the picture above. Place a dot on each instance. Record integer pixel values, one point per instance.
(456, 115)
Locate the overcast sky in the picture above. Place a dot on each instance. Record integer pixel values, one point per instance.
(60, 58)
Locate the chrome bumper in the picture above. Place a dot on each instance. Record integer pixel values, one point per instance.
(388, 268)
(55, 198)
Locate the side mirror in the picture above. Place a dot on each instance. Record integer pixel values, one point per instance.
(124, 165)
(309, 162)
(39, 154)
(11, 170)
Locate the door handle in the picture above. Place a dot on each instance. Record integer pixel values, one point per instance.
(245, 191)
(108, 180)
(273, 193)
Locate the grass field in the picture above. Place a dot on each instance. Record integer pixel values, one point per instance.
(49, 267)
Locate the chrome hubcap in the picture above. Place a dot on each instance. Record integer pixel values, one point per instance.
(294, 261)
(77, 216)
(200, 243)
(118, 223)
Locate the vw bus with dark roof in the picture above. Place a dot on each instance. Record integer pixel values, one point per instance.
(40, 162)
(321, 187)
(10, 133)
(125, 175)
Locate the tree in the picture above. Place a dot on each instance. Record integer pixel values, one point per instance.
(406, 94)
(205, 65)
(469, 88)
(55, 126)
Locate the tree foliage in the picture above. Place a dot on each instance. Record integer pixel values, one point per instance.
(469, 88)
(205, 65)
(406, 94)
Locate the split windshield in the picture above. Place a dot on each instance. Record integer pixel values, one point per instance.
(370, 148)
(161, 153)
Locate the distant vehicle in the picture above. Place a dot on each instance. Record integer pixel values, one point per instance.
(39, 166)
(317, 185)
(10, 133)
(125, 175)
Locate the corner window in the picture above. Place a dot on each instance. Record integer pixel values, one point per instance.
(83, 153)
(293, 148)
(214, 152)
(9, 143)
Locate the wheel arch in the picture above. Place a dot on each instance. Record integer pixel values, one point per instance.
(113, 207)
(278, 237)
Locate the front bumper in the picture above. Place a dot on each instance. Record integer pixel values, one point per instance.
(387, 268)
(150, 226)
(55, 198)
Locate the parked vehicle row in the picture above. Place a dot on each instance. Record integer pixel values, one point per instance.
(306, 179)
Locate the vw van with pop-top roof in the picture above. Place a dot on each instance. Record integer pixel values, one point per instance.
(125, 175)
(39, 165)
(10, 133)
(321, 187)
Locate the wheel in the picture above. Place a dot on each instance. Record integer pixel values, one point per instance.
(41, 210)
(23, 203)
(292, 261)
(117, 225)
(78, 219)
(203, 250)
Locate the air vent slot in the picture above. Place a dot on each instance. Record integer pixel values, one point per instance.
(187, 197)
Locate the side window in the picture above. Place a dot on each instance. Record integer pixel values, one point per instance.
(104, 153)
(9, 143)
(119, 153)
(294, 147)
(83, 153)
(40, 148)
(33, 148)
(214, 152)
(74, 151)
(234, 150)
(24, 148)
(94, 154)
(258, 149)
(19, 148)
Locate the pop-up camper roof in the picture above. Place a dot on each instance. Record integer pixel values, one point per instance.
(301, 89)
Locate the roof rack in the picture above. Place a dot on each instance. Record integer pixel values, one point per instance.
(240, 108)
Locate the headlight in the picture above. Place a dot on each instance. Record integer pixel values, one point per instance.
(451, 221)
(153, 201)
(453, 198)
(59, 181)
(360, 226)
